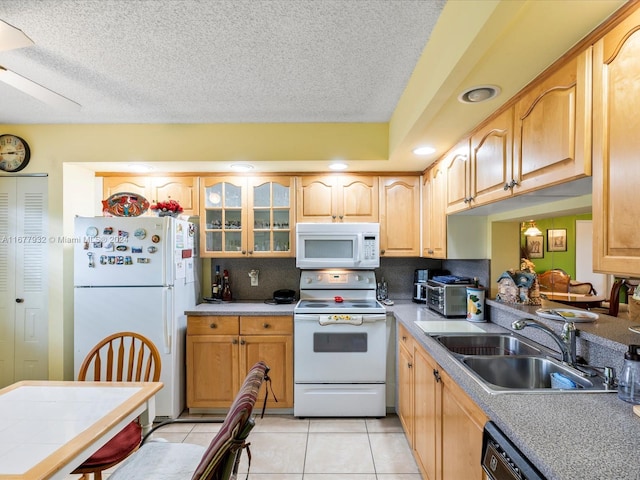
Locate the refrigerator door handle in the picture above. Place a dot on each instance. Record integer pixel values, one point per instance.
(167, 318)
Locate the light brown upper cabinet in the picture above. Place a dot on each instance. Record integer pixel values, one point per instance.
(458, 177)
(247, 216)
(552, 135)
(400, 216)
(616, 143)
(491, 166)
(479, 169)
(434, 217)
(337, 198)
(157, 189)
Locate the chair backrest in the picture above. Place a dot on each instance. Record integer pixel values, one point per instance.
(553, 281)
(222, 455)
(614, 298)
(122, 357)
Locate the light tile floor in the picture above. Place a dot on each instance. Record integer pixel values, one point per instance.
(288, 448)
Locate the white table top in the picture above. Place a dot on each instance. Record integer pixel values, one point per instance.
(47, 429)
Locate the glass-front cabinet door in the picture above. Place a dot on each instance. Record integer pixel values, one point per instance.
(223, 218)
(271, 216)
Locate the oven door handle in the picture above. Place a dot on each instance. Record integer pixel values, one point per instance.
(335, 319)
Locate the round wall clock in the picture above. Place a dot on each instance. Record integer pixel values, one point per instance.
(14, 153)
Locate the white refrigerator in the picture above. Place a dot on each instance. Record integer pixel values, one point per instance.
(136, 274)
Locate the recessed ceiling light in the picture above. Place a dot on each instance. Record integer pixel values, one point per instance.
(424, 150)
(338, 166)
(480, 93)
(139, 167)
(241, 167)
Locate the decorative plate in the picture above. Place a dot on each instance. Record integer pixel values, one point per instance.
(569, 314)
(125, 204)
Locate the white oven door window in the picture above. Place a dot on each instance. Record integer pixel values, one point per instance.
(340, 353)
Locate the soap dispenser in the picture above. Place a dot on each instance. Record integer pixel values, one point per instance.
(629, 379)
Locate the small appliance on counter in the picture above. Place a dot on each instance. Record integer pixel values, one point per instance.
(420, 278)
(447, 295)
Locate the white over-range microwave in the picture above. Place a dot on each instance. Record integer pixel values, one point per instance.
(337, 245)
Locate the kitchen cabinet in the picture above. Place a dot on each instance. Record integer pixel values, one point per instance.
(434, 217)
(491, 166)
(222, 349)
(337, 198)
(247, 216)
(615, 145)
(443, 425)
(457, 166)
(552, 133)
(400, 216)
(183, 189)
(24, 276)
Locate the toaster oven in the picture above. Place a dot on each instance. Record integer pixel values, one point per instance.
(449, 300)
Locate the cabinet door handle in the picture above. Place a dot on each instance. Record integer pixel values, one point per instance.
(404, 338)
(266, 325)
(506, 186)
(410, 365)
(19, 300)
(333, 216)
(234, 341)
(242, 341)
(381, 252)
(513, 184)
(341, 217)
(250, 252)
(244, 252)
(213, 325)
(436, 374)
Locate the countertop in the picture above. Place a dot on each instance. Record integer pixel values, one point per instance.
(567, 436)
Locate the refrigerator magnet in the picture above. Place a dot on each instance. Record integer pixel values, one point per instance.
(152, 249)
(92, 232)
(103, 259)
(155, 238)
(107, 230)
(127, 260)
(91, 262)
(121, 248)
(109, 247)
(143, 260)
(136, 249)
(140, 233)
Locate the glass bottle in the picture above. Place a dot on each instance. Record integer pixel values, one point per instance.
(226, 287)
(217, 284)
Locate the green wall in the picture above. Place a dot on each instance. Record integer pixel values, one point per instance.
(563, 260)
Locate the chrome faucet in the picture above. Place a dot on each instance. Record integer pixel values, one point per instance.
(566, 341)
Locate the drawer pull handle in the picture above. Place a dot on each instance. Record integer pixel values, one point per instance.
(213, 325)
(266, 325)
(234, 341)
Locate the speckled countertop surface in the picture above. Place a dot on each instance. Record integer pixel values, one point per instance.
(568, 436)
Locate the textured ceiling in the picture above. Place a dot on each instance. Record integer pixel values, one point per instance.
(215, 61)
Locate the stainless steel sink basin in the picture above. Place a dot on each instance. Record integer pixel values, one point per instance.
(509, 363)
(487, 344)
(525, 373)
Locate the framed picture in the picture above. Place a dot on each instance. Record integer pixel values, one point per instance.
(535, 246)
(557, 240)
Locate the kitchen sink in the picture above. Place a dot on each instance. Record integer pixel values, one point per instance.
(509, 363)
(488, 344)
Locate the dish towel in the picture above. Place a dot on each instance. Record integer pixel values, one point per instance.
(561, 381)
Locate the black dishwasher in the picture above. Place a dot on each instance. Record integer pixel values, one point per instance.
(501, 459)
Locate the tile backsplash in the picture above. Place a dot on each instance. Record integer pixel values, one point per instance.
(281, 273)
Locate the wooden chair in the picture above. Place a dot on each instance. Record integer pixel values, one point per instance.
(121, 357)
(612, 307)
(554, 281)
(219, 461)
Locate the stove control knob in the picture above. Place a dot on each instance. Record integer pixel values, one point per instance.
(308, 280)
(357, 277)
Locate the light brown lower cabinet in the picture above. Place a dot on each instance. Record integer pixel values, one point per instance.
(443, 425)
(222, 349)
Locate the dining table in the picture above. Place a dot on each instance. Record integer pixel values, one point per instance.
(48, 428)
(577, 300)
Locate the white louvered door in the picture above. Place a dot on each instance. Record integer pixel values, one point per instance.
(24, 244)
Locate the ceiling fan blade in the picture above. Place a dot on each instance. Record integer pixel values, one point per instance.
(12, 37)
(36, 90)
